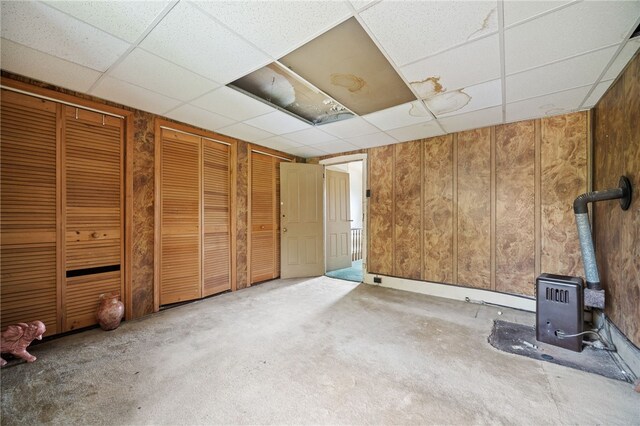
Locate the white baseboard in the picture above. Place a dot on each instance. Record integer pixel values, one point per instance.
(454, 292)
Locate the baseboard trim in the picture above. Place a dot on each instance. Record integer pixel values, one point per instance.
(454, 292)
(629, 352)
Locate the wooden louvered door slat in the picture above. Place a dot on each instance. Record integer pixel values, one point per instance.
(93, 204)
(216, 218)
(180, 217)
(28, 156)
(262, 217)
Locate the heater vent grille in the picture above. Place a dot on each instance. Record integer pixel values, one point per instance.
(557, 295)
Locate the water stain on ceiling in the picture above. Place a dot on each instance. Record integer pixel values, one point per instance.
(438, 99)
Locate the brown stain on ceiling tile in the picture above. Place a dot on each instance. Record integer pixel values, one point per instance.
(351, 82)
(417, 112)
(438, 99)
(485, 23)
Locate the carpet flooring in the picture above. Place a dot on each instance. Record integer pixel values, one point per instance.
(306, 351)
(354, 273)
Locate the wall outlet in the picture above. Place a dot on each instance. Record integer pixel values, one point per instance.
(377, 280)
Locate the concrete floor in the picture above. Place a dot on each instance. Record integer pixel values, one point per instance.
(306, 351)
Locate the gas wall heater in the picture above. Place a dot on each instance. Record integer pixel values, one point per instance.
(559, 310)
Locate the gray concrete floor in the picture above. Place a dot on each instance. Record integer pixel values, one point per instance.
(306, 351)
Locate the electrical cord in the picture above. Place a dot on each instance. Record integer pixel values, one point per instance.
(604, 344)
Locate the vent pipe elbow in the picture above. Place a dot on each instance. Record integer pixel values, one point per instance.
(623, 193)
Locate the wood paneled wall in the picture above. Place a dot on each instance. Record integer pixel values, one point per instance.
(487, 208)
(617, 232)
(141, 197)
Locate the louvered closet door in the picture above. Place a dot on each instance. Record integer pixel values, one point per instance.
(93, 207)
(180, 250)
(216, 219)
(263, 216)
(28, 211)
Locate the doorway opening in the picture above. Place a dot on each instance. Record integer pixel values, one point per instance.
(345, 220)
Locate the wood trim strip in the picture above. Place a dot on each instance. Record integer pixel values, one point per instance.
(201, 212)
(454, 148)
(157, 246)
(492, 230)
(274, 210)
(538, 197)
(393, 209)
(63, 98)
(127, 253)
(233, 205)
(184, 128)
(272, 152)
(249, 221)
(422, 173)
(60, 219)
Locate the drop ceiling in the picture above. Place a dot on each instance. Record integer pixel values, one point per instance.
(459, 65)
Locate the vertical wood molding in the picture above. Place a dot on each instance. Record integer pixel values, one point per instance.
(393, 209)
(249, 221)
(157, 246)
(454, 147)
(233, 205)
(201, 230)
(538, 198)
(127, 254)
(62, 244)
(60, 219)
(492, 231)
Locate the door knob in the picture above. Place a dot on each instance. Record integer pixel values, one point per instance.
(284, 230)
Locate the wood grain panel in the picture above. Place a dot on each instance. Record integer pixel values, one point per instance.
(263, 217)
(515, 208)
(474, 209)
(83, 297)
(143, 221)
(438, 209)
(617, 232)
(180, 250)
(216, 221)
(407, 242)
(28, 207)
(563, 168)
(380, 254)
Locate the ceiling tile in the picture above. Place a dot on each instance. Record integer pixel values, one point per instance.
(48, 30)
(347, 65)
(423, 28)
(151, 72)
(472, 120)
(124, 19)
(481, 61)
(553, 104)
(278, 142)
(277, 27)
(40, 66)
(336, 147)
(360, 4)
(307, 152)
(598, 92)
(188, 37)
(199, 117)
(312, 136)
(516, 11)
(245, 132)
(472, 98)
(232, 104)
(417, 131)
(349, 128)
(369, 141)
(399, 116)
(575, 72)
(127, 94)
(278, 122)
(576, 29)
(623, 58)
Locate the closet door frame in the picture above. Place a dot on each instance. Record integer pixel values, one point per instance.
(61, 99)
(273, 153)
(233, 169)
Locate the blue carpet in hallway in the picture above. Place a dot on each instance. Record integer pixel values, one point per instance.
(350, 274)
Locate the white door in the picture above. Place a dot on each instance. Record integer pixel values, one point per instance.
(338, 242)
(301, 220)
